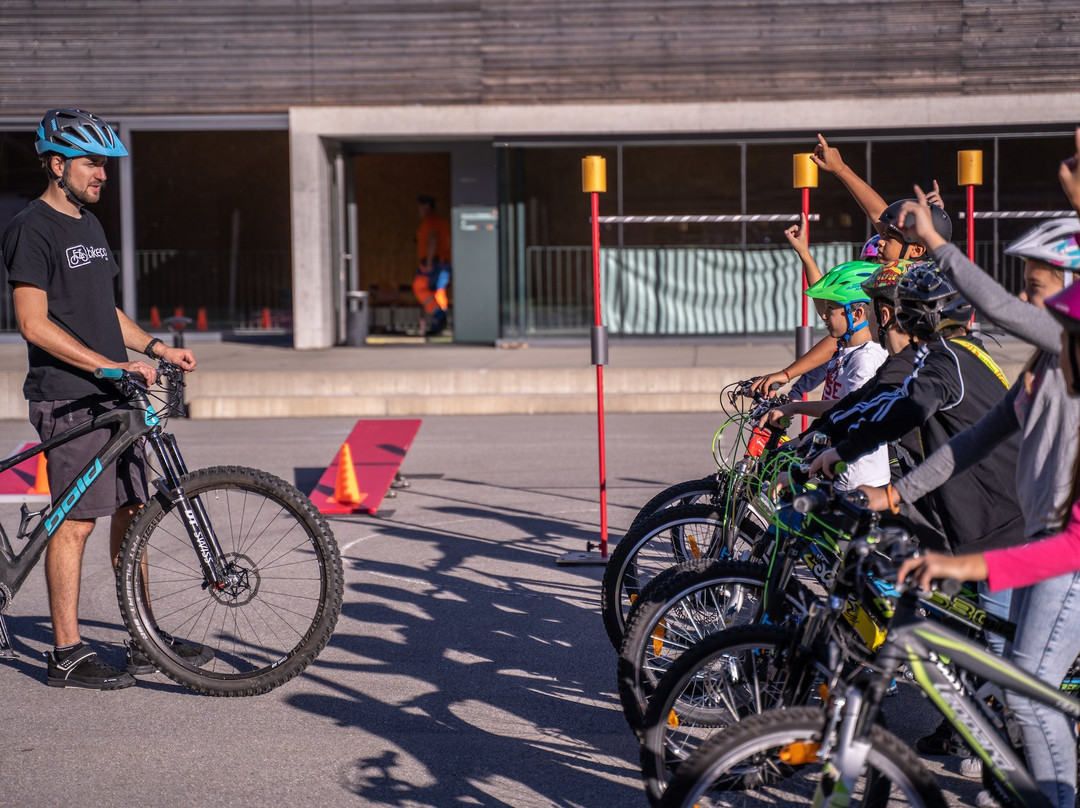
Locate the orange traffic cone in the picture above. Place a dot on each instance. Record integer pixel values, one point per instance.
(266, 318)
(200, 320)
(155, 317)
(178, 311)
(41, 479)
(346, 488)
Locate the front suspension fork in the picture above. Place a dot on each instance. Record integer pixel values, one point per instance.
(197, 523)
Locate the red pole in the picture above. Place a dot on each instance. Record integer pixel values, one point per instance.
(968, 175)
(971, 223)
(598, 321)
(805, 299)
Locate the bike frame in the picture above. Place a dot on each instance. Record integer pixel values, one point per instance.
(129, 422)
(931, 652)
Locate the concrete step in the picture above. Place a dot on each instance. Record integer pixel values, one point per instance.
(463, 392)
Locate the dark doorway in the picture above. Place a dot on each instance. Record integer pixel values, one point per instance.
(386, 189)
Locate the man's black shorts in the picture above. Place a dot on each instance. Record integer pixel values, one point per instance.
(123, 483)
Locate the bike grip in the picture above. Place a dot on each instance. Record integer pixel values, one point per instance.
(839, 467)
(108, 373)
(784, 422)
(950, 587)
(811, 501)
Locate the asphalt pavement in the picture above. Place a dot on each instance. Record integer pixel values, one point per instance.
(467, 668)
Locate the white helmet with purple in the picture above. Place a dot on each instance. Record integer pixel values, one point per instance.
(1053, 242)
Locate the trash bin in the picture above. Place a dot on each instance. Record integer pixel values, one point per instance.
(356, 321)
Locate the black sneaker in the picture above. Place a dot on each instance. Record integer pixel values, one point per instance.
(139, 664)
(942, 741)
(82, 668)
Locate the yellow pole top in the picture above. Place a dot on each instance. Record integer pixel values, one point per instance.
(805, 171)
(969, 167)
(593, 174)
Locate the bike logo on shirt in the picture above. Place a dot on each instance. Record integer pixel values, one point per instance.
(81, 256)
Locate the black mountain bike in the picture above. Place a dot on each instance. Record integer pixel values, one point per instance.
(231, 558)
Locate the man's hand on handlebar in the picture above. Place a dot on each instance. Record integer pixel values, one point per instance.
(181, 357)
(142, 368)
(925, 569)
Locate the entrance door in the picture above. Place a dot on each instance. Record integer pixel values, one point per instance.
(386, 190)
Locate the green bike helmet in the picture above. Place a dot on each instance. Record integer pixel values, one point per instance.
(843, 284)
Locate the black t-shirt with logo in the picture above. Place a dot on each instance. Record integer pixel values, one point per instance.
(70, 260)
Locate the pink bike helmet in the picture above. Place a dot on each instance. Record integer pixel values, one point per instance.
(871, 250)
(1065, 306)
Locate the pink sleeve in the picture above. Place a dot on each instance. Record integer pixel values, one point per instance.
(1036, 561)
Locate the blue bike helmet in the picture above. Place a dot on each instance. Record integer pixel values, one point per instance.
(77, 133)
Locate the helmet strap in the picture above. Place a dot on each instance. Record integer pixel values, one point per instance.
(852, 329)
(61, 183)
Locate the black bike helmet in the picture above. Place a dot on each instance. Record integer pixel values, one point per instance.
(928, 303)
(77, 133)
(891, 215)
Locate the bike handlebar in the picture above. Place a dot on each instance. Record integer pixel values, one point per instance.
(130, 384)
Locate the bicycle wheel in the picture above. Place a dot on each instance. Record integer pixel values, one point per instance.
(282, 601)
(720, 681)
(682, 606)
(673, 535)
(771, 759)
(706, 491)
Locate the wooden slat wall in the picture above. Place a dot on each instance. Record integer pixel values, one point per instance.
(244, 56)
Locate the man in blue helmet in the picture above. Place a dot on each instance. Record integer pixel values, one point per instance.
(61, 272)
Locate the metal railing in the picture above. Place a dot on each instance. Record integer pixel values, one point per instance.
(232, 288)
(653, 291)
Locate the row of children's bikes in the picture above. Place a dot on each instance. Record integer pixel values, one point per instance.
(758, 635)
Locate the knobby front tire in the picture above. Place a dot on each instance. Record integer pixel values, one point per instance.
(752, 763)
(280, 607)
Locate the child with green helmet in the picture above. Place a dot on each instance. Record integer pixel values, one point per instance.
(857, 358)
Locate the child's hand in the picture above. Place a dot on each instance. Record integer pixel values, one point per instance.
(828, 158)
(798, 236)
(765, 383)
(934, 197)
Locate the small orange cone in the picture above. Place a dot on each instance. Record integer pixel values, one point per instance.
(266, 318)
(41, 479)
(346, 488)
(178, 311)
(155, 317)
(200, 320)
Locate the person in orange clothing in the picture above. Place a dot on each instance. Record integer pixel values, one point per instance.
(433, 265)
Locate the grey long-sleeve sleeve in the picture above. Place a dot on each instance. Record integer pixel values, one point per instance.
(1030, 323)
